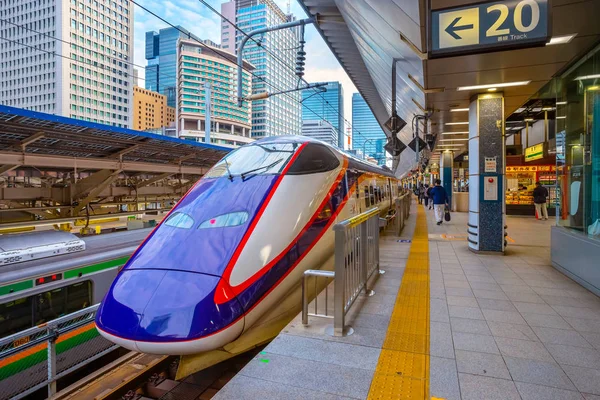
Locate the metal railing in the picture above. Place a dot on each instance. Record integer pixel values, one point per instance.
(316, 273)
(39, 356)
(402, 211)
(356, 260)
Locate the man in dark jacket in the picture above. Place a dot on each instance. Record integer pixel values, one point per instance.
(540, 194)
(440, 199)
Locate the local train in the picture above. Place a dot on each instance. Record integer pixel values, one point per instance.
(43, 276)
(237, 244)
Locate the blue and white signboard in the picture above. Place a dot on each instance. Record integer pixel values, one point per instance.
(489, 26)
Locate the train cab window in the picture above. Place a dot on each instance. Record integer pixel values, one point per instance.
(15, 316)
(231, 219)
(314, 158)
(367, 198)
(372, 195)
(357, 191)
(180, 220)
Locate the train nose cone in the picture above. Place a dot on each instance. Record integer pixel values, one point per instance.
(167, 312)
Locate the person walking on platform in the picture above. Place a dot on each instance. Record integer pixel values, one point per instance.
(426, 194)
(421, 193)
(440, 200)
(540, 194)
(430, 201)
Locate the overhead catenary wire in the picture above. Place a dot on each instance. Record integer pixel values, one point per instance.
(71, 44)
(100, 66)
(317, 92)
(254, 75)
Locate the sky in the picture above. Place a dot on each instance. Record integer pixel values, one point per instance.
(321, 65)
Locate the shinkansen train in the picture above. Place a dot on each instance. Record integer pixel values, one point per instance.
(237, 244)
(45, 275)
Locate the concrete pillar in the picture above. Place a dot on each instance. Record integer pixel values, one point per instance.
(447, 173)
(487, 150)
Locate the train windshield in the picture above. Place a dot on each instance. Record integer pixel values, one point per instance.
(254, 159)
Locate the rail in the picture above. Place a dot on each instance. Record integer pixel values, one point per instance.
(39, 356)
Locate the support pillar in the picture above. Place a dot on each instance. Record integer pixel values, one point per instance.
(487, 150)
(447, 173)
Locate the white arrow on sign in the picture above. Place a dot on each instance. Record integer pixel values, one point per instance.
(459, 28)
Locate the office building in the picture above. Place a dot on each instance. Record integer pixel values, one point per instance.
(200, 64)
(320, 129)
(150, 110)
(367, 135)
(327, 105)
(94, 79)
(279, 114)
(161, 53)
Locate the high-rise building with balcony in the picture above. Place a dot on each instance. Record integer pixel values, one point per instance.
(367, 135)
(201, 64)
(279, 114)
(69, 57)
(328, 106)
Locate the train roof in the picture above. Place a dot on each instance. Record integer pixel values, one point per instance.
(354, 162)
(98, 248)
(12, 242)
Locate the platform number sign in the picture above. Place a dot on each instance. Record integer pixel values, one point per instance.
(489, 26)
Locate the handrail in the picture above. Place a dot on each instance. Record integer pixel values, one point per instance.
(44, 338)
(356, 261)
(356, 220)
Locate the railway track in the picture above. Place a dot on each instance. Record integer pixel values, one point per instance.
(138, 376)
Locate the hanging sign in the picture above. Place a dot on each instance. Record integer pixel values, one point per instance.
(489, 26)
(534, 152)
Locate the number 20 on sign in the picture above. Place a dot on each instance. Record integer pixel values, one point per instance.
(489, 26)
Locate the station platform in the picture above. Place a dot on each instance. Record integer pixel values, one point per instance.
(444, 323)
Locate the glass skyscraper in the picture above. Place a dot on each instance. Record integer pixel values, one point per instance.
(161, 53)
(279, 114)
(367, 135)
(327, 105)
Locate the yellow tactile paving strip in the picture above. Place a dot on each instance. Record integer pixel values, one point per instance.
(402, 371)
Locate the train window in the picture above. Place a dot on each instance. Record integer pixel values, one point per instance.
(254, 159)
(231, 219)
(357, 191)
(180, 220)
(26, 312)
(314, 158)
(15, 316)
(367, 198)
(372, 195)
(79, 296)
(48, 305)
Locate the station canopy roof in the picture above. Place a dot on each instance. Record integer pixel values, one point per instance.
(29, 138)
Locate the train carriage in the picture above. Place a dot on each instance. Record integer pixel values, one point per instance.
(237, 244)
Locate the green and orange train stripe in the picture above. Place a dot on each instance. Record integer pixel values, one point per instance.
(27, 358)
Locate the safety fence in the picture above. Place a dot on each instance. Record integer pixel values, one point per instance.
(401, 210)
(356, 260)
(39, 356)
